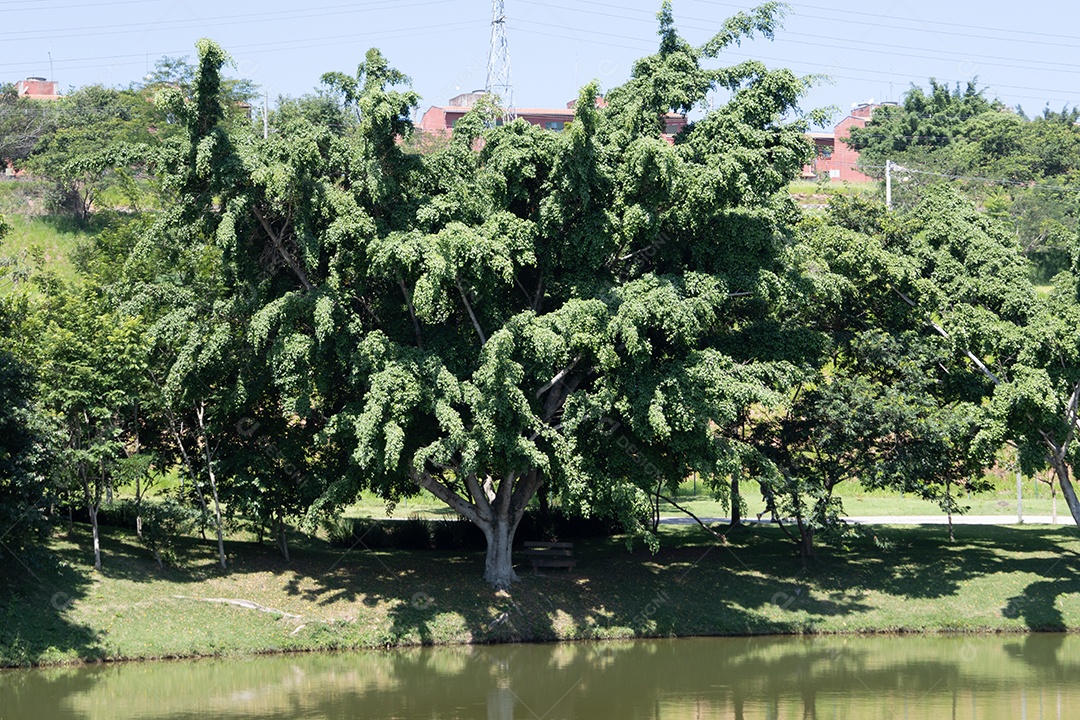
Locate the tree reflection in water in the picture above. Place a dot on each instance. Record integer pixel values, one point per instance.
(744, 678)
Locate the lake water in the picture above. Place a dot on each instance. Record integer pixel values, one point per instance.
(861, 678)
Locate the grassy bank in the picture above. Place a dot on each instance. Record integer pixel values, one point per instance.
(992, 579)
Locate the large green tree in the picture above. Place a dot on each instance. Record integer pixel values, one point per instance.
(521, 309)
(880, 398)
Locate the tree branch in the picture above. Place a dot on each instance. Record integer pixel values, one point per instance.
(722, 538)
(279, 245)
(504, 493)
(472, 315)
(466, 509)
(481, 495)
(558, 376)
(943, 333)
(412, 312)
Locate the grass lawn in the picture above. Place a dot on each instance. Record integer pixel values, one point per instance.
(44, 241)
(897, 580)
(857, 501)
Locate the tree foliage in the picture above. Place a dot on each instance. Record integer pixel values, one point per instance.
(470, 321)
(1024, 171)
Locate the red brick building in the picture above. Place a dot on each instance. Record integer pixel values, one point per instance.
(836, 158)
(37, 88)
(441, 118)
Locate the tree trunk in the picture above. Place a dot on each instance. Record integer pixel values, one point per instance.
(138, 507)
(199, 413)
(217, 520)
(948, 500)
(806, 540)
(97, 541)
(545, 505)
(1069, 493)
(498, 564)
(496, 511)
(92, 498)
(283, 540)
(1053, 504)
(736, 502)
(1061, 469)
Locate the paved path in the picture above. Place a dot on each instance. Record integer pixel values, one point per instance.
(901, 520)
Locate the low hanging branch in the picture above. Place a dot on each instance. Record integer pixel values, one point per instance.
(279, 245)
(722, 538)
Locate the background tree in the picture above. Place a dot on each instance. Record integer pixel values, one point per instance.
(22, 123)
(90, 358)
(879, 398)
(1020, 169)
(24, 450)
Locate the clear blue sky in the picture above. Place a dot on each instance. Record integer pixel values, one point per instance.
(1022, 53)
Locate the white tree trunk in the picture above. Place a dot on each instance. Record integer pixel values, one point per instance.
(496, 511)
(97, 539)
(498, 564)
(1061, 469)
(199, 412)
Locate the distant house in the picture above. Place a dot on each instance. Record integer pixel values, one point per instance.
(441, 118)
(37, 88)
(834, 157)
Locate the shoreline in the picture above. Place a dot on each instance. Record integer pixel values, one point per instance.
(615, 639)
(895, 580)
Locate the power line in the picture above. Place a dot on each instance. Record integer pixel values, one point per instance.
(892, 26)
(785, 61)
(200, 23)
(7, 5)
(255, 48)
(875, 44)
(1074, 38)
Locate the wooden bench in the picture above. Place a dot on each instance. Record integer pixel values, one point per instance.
(550, 554)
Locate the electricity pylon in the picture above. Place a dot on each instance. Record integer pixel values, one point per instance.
(498, 69)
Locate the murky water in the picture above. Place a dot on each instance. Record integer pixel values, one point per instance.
(1014, 677)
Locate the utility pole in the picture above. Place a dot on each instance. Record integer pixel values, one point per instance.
(498, 69)
(266, 114)
(888, 184)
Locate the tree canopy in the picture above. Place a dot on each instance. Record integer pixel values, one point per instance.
(590, 316)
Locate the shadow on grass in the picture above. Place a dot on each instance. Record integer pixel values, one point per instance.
(755, 585)
(36, 596)
(921, 563)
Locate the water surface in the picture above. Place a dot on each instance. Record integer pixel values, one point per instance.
(862, 678)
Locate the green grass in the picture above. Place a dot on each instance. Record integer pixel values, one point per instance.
(857, 502)
(812, 187)
(895, 580)
(43, 241)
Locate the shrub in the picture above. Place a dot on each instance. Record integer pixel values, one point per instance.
(460, 534)
(411, 534)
